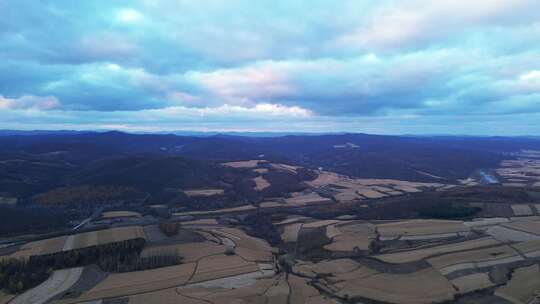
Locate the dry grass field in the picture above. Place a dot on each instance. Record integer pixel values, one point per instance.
(218, 211)
(260, 170)
(311, 198)
(203, 192)
(523, 171)
(201, 222)
(284, 167)
(125, 284)
(100, 237)
(318, 224)
(261, 183)
(351, 189)
(114, 214)
(424, 286)
(498, 255)
(220, 266)
(326, 267)
(350, 237)
(271, 204)
(46, 246)
(472, 282)
(244, 164)
(290, 232)
(524, 287)
(418, 270)
(165, 296)
(421, 229)
(420, 254)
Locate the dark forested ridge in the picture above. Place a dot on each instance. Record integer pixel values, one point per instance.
(37, 163)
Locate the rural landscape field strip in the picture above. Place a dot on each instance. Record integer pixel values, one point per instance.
(523, 287)
(420, 254)
(60, 281)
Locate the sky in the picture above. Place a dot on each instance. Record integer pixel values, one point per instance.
(372, 66)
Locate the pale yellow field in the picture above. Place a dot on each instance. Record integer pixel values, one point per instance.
(349, 243)
(260, 170)
(332, 231)
(352, 236)
(469, 259)
(241, 239)
(259, 256)
(419, 254)
(335, 266)
(306, 199)
(300, 290)
(290, 233)
(261, 183)
(271, 204)
(322, 223)
(244, 164)
(219, 266)
(113, 214)
(292, 219)
(46, 246)
(369, 193)
(425, 286)
(420, 227)
(325, 178)
(203, 192)
(472, 282)
(209, 221)
(346, 195)
(523, 287)
(165, 296)
(218, 211)
(124, 284)
(350, 189)
(100, 237)
(285, 167)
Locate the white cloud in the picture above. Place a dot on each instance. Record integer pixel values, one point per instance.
(259, 111)
(29, 102)
(128, 15)
(405, 23)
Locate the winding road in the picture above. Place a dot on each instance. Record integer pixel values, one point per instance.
(57, 283)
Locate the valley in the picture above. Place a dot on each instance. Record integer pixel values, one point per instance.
(148, 227)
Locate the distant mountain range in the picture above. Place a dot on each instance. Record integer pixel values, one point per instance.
(35, 161)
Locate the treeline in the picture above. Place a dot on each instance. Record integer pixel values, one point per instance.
(261, 226)
(87, 195)
(449, 211)
(18, 275)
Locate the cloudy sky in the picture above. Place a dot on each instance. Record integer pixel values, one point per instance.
(376, 66)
